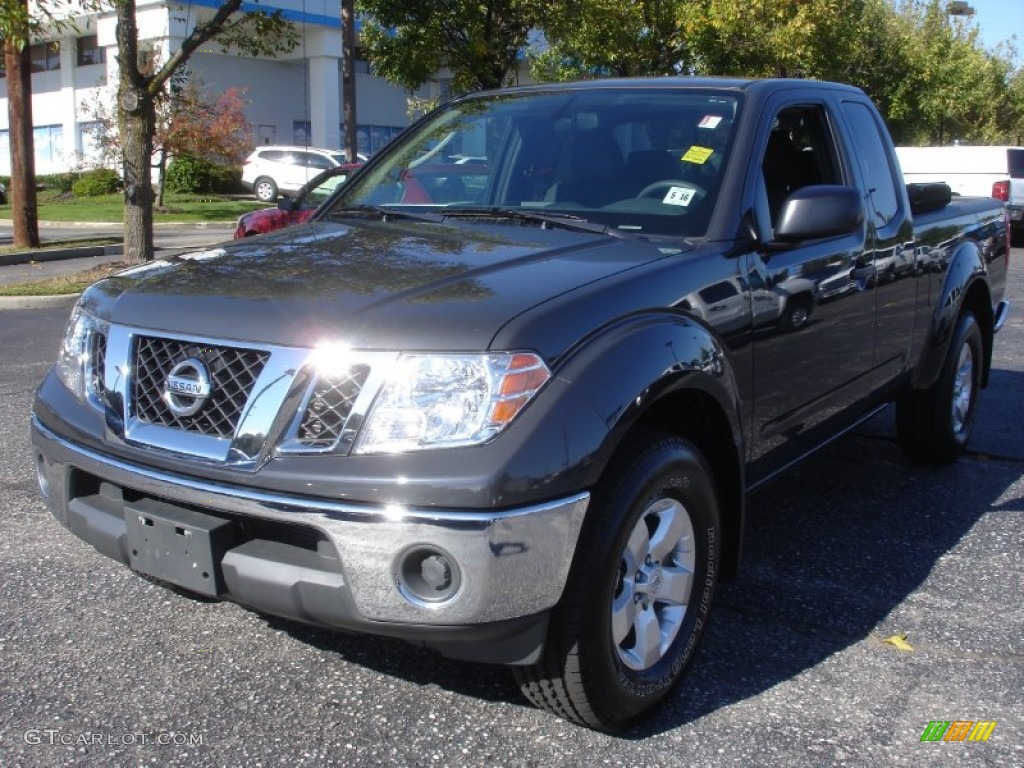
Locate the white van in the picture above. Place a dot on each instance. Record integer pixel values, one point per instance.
(1011, 190)
(969, 171)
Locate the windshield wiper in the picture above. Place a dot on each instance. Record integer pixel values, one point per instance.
(545, 219)
(382, 212)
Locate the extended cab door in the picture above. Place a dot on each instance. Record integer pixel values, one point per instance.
(812, 351)
(894, 278)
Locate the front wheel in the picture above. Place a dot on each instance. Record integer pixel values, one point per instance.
(935, 424)
(796, 316)
(640, 590)
(265, 189)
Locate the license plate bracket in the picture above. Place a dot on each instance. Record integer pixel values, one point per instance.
(178, 545)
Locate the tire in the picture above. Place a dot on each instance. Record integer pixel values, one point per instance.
(656, 499)
(265, 189)
(934, 425)
(796, 316)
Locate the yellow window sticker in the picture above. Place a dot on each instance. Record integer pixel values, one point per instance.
(698, 155)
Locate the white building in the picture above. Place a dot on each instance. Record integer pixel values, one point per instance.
(294, 99)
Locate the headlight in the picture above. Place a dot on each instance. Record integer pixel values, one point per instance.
(442, 401)
(73, 366)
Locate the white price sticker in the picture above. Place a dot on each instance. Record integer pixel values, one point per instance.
(679, 196)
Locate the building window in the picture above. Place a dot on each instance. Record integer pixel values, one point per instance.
(49, 144)
(88, 138)
(302, 130)
(371, 139)
(90, 51)
(45, 57)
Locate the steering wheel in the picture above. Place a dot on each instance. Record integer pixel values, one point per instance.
(692, 189)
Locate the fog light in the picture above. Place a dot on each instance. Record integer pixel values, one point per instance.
(427, 576)
(42, 475)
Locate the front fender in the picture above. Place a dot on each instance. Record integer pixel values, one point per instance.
(964, 277)
(630, 366)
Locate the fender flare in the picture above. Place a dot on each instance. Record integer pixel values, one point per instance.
(964, 277)
(629, 368)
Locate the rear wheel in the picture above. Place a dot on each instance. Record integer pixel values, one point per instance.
(935, 424)
(640, 591)
(265, 189)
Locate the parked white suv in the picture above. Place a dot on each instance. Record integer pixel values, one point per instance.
(270, 170)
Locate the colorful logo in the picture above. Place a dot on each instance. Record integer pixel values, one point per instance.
(958, 730)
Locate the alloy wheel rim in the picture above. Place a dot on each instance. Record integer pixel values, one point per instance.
(963, 389)
(654, 585)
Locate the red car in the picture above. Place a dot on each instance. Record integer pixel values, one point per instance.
(296, 209)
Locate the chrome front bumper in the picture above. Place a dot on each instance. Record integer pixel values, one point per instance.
(510, 563)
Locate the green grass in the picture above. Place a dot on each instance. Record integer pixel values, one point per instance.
(110, 208)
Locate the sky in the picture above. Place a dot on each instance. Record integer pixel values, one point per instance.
(999, 20)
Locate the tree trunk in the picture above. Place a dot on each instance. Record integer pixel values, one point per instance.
(24, 214)
(348, 77)
(136, 122)
(136, 129)
(161, 185)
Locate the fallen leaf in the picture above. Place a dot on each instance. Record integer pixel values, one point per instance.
(900, 641)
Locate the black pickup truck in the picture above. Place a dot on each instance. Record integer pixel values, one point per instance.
(505, 395)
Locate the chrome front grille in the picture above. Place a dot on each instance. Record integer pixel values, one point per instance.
(98, 361)
(329, 405)
(233, 372)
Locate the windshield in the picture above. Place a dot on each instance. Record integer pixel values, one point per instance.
(647, 161)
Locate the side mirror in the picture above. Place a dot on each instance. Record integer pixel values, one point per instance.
(820, 211)
(289, 205)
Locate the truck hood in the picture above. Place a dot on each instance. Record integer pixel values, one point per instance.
(371, 285)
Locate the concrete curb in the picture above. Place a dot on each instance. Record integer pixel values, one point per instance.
(60, 254)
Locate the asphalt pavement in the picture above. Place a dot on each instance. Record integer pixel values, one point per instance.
(167, 239)
(101, 667)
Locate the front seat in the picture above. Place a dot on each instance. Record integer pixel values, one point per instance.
(597, 171)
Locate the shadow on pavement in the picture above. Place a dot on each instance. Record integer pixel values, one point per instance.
(830, 550)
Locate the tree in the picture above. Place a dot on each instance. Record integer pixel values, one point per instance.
(249, 33)
(613, 38)
(189, 121)
(479, 41)
(348, 77)
(709, 37)
(929, 74)
(193, 124)
(1014, 117)
(16, 28)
